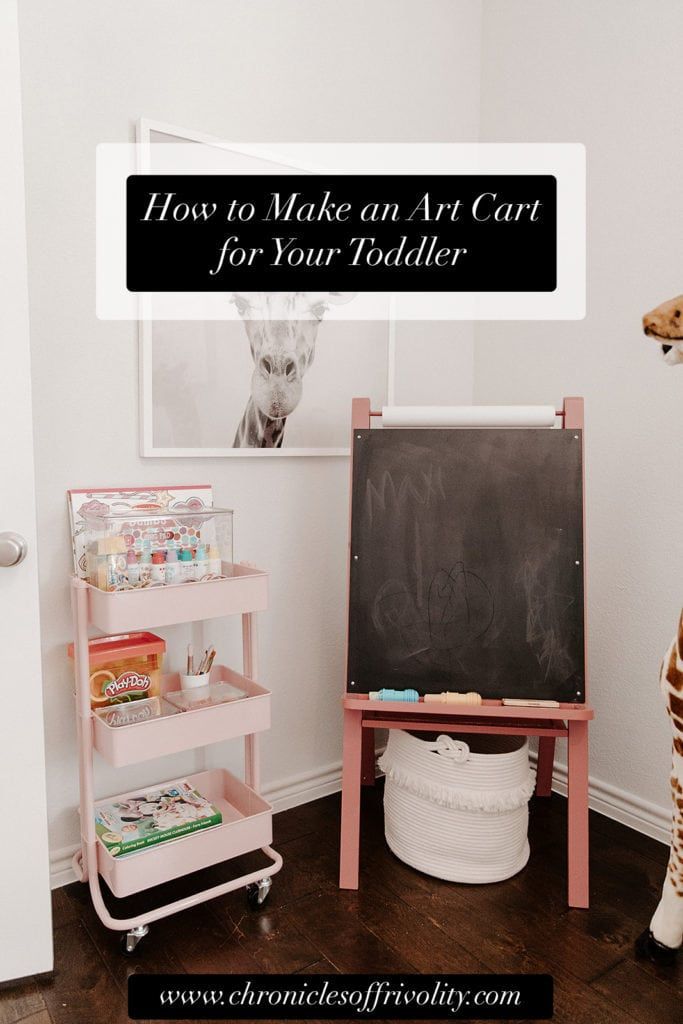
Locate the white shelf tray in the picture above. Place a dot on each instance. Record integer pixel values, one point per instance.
(245, 589)
(247, 825)
(168, 734)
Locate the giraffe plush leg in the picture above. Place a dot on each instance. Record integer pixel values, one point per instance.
(664, 937)
(667, 922)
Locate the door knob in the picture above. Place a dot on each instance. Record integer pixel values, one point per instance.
(13, 548)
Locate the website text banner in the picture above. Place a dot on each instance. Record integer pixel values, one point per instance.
(340, 997)
(418, 232)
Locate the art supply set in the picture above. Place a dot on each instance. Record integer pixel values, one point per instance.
(148, 537)
(448, 697)
(205, 662)
(133, 549)
(130, 709)
(413, 697)
(466, 600)
(200, 677)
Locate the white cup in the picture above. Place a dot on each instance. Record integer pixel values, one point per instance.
(194, 682)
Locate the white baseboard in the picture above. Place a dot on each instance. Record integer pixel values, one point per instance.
(648, 818)
(619, 805)
(61, 872)
(301, 789)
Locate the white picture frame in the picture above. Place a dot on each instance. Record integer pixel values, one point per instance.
(147, 131)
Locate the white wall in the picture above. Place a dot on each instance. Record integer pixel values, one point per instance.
(608, 75)
(246, 70)
(396, 70)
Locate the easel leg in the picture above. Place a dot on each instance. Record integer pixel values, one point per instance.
(368, 757)
(350, 808)
(544, 765)
(577, 811)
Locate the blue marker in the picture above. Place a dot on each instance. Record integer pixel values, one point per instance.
(408, 696)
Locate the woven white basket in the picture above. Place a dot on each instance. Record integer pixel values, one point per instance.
(458, 809)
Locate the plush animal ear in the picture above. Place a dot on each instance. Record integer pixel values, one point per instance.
(339, 298)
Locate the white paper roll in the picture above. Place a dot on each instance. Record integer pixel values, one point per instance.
(468, 416)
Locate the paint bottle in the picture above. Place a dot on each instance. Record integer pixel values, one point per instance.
(187, 566)
(202, 565)
(132, 568)
(107, 563)
(158, 573)
(172, 566)
(145, 566)
(215, 563)
(115, 571)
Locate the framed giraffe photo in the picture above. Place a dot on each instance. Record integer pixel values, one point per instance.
(250, 386)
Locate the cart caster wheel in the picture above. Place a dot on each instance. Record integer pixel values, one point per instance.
(257, 892)
(132, 939)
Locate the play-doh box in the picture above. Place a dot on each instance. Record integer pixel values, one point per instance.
(124, 668)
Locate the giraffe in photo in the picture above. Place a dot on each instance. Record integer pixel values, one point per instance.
(282, 328)
(663, 939)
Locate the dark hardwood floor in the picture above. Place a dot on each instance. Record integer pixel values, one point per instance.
(399, 920)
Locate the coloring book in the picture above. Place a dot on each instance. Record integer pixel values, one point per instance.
(153, 816)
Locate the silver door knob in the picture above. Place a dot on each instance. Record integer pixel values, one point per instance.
(13, 548)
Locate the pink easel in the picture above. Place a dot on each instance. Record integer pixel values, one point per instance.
(362, 716)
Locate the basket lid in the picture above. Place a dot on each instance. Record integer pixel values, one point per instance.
(102, 649)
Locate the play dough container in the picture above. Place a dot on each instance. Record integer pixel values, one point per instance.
(124, 668)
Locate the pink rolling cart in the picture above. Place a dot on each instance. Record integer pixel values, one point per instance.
(569, 721)
(247, 818)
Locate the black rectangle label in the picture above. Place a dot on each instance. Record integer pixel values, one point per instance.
(363, 233)
(340, 997)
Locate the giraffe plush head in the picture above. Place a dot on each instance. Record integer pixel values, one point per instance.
(665, 325)
(282, 328)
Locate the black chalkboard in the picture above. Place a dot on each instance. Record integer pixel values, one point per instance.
(467, 562)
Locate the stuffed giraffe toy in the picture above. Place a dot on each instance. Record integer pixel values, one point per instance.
(282, 328)
(662, 941)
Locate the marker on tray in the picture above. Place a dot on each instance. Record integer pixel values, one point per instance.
(411, 696)
(448, 697)
(515, 702)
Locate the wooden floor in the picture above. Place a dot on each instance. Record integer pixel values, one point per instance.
(399, 920)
